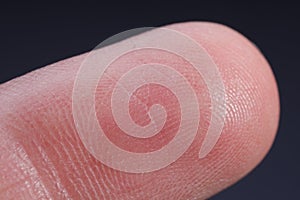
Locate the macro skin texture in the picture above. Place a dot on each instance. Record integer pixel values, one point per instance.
(42, 156)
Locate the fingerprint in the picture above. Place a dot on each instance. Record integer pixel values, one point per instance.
(135, 105)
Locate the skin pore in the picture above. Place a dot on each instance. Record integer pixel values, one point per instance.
(43, 157)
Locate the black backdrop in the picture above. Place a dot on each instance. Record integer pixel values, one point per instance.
(33, 35)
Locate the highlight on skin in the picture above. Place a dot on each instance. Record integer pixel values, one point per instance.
(147, 71)
(44, 156)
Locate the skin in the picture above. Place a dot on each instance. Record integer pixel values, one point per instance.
(42, 156)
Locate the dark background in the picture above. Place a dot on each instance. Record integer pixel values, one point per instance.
(33, 35)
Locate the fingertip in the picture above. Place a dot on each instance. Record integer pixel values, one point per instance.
(251, 119)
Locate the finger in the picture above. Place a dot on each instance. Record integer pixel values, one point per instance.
(44, 153)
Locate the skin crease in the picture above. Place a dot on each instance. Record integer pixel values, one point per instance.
(42, 156)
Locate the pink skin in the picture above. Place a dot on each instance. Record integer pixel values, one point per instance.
(42, 156)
